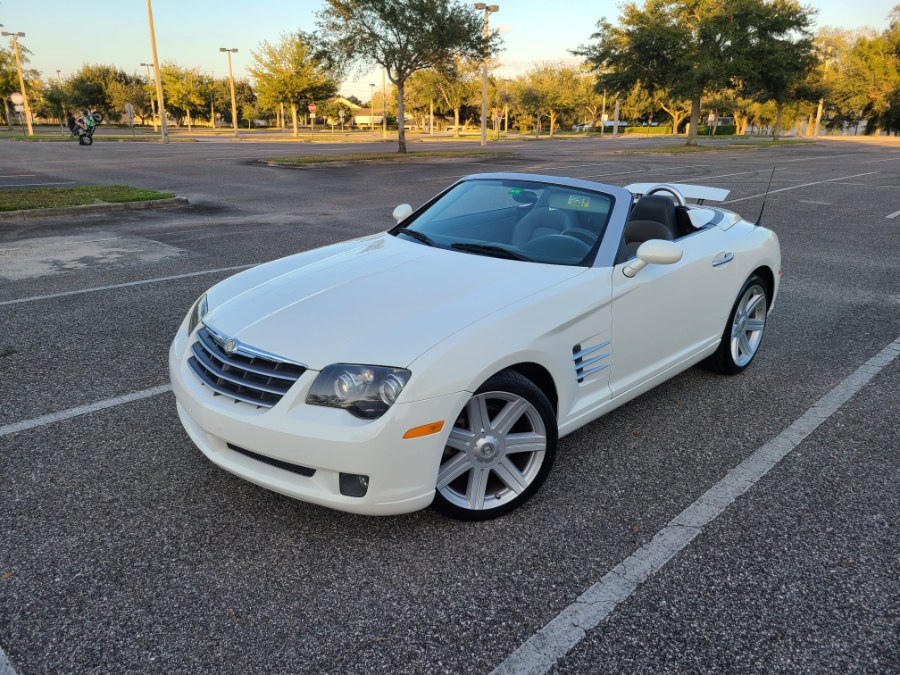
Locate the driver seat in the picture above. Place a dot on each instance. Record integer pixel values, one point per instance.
(541, 221)
(653, 217)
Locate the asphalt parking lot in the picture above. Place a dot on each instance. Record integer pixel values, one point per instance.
(122, 549)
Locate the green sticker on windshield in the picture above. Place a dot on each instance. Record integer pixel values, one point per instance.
(579, 200)
(516, 191)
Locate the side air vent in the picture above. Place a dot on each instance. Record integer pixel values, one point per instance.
(590, 360)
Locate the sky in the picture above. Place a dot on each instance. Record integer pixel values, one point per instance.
(64, 35)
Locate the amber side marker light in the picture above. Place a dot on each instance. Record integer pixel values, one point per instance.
(424, 430)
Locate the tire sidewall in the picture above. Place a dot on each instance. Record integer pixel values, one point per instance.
(513, 383)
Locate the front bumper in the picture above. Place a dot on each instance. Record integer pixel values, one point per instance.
(402, 472)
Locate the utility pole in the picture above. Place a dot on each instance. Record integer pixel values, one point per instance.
(159, 92)
(62, 126)
(15, 43)
(372, 109)
(233, 99)
(818, 117)
(484, 68)
(616, 121)
(384, 104)
(152, 106)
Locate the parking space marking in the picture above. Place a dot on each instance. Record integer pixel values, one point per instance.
(6, 667)
(894, 214)
(44, 420)
(139, 282)
(542, 650)
(878, 161)
(797, 187)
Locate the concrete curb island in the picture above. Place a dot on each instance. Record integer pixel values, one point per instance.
(90, 209)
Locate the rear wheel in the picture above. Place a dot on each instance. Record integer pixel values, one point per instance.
(88, 140)
(744, 330)
(500, 450)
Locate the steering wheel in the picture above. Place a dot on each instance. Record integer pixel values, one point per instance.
(581, 234)
(668, 188)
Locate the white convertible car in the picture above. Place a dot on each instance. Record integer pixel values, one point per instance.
(441, 361)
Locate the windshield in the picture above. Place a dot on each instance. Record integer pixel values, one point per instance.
(515, 219)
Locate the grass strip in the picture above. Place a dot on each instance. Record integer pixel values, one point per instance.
(15, 199)
(361, 157)
(690, 149)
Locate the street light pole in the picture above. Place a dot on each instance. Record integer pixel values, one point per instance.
(372, 109)
(384, 104)
(159, 93)
(62, 111)
(21, 79)
(152, 106)
(484, 68)
(233, 99)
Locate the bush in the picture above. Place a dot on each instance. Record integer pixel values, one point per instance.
(723, 130)
(648, 130)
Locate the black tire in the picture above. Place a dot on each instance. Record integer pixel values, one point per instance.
(97, 117)
(88, 140)
(81, 140)
(506, 391)
(723, 360)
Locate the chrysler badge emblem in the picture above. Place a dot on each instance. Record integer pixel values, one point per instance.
(230, 346)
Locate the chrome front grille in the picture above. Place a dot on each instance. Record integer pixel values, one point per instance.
(588, 360)
(243, 375)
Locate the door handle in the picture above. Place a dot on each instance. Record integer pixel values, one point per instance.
(723, 259)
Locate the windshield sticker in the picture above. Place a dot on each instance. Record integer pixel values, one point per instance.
(579, 200)
(515, 191)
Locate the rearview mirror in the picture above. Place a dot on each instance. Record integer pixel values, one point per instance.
(402, 212)
(654, 252)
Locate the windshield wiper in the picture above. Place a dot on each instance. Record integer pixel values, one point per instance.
(488, 249)
(418, 236)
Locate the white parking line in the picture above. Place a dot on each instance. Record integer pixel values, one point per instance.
(140, 282)
(82, 410)
(20, 175)
(878, 161)
(6, 667)
(894, 214)
(542, 650)
(649, 172)
(796, 187)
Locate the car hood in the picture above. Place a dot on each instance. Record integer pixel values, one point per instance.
(378, 300)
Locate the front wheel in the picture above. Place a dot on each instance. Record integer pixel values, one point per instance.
(744, 330)
(499, 451)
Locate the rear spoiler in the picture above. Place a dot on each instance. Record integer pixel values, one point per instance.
(699, 192)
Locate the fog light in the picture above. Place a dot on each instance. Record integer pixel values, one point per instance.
(354, 485)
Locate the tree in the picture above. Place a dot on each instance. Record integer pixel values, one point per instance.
(779, 45)
(553, 89)
(589, 100)
(90, 87)
(676, 108)
(403, 36)
(457, 84)
(687, 47)
(292, 71)
(182, 87)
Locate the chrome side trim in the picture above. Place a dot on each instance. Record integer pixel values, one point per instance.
(589, 350)
(592, 371)
(583, 364)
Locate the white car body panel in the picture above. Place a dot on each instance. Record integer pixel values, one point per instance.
(387, 301)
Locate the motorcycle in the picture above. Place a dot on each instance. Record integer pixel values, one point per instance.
(84, 126)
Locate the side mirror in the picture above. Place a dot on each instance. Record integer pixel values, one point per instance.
(402, 212)
(654, 252)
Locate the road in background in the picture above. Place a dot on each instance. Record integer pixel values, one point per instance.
(122, 548)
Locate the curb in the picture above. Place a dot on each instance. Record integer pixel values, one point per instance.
(89, 209)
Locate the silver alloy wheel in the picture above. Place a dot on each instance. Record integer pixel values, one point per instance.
(748, 325)
(494, 452)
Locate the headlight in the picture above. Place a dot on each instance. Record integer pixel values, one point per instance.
(198, 311)
(363, 391)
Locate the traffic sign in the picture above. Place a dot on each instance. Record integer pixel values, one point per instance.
(312, 107)
(17, 98)
(341, 113)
